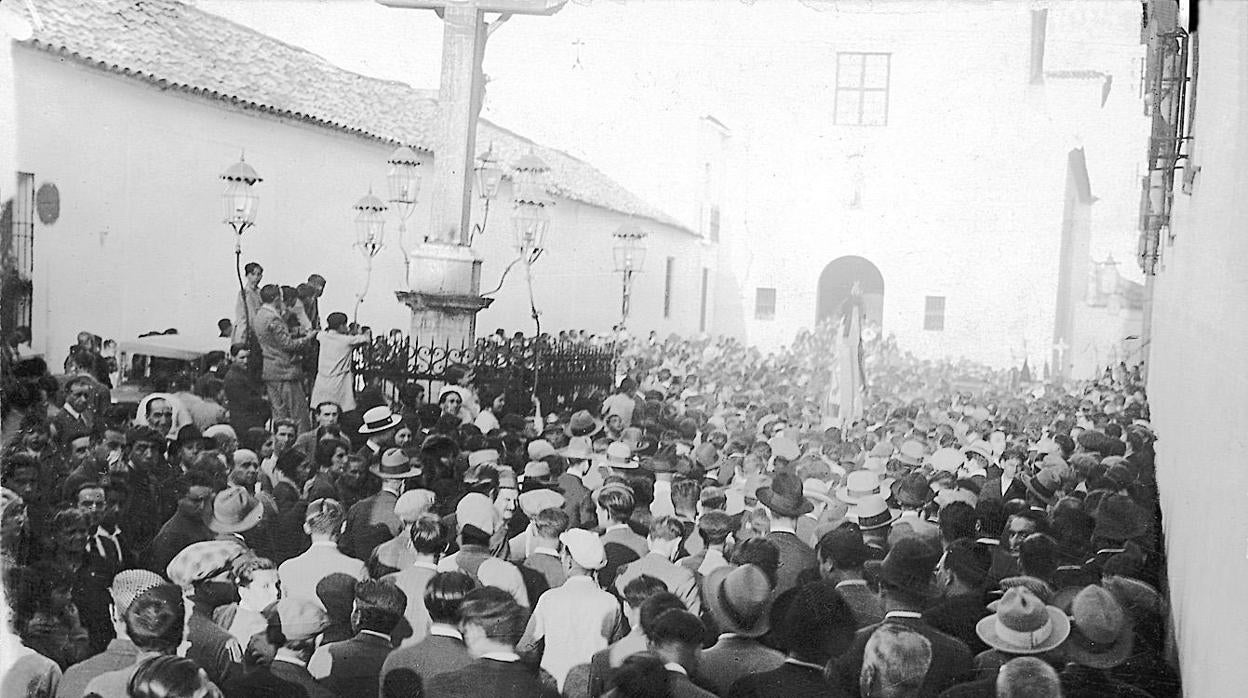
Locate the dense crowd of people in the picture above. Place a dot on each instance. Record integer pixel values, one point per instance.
(704, 529)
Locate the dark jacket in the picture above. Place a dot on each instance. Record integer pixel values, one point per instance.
(354, 665)
(957, 616)
(490, 677)
(790, 681)
(795, 557)
(407, 669)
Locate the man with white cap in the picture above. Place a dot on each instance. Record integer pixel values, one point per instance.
(576, 619)
(121, 651)
(477, 520)
(397, 554)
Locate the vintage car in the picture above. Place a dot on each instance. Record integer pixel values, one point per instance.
(147, 363)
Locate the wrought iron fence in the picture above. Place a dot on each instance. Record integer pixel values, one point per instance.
(557, 373)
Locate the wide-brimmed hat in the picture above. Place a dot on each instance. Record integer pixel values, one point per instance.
(536, 471)
(235, 510)
(912, 490)
(1119, 518)
(909, 566)
(636, 439)
(379, 419)
(817, 490)
(1023, 624)
(858, 484)
(578, 449)
(1044, 484)
(947, 459)
(1101, 635)
(784, 447)
(739, 599)
(784, 496)
(483, 456)
(981, 448)
(539, 449)
(620, 455)
(912, 453)
(394, 465)
(873, 513)
(583, 423)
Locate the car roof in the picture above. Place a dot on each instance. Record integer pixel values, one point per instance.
(174, 346)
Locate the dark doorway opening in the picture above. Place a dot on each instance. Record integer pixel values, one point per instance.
(837, 281)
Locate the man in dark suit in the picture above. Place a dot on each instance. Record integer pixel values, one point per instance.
(906, 581)
(961, 576)
(842, 554)
(578, 501)
(353, 667)
(492, 622)
(76, 418)
(407, 669)
(785, 502)
(1003, 481)
(294, 626)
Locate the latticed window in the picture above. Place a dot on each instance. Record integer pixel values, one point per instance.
(764, 304)
(17, 243)
(862, 89)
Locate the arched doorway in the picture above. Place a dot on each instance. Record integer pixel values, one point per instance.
(838, 279)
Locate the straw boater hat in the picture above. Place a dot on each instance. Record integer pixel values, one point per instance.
(873, 513)
(394, 465)
(946, 459)
(858, 484)
(379, 419)
(1023, 624)
(912, 453)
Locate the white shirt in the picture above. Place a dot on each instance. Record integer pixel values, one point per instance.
(714, 560)
(576, 620)
(662, 504)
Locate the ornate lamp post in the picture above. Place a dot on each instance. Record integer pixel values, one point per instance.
(630, 258)
(240, 201)
(530, 218)
(403, 180)
(370, 230)
(488, 176)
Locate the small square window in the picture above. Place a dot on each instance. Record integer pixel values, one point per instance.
(765, 304)
(862, 82)
(934, 314)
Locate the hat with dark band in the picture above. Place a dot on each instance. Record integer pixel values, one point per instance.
(394, 465)
(379, 419)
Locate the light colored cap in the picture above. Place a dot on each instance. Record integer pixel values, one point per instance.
(585, 548)
(412, 504)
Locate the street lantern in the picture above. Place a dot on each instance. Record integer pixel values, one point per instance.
(630, 248)
(370, 233)
(370, 224)
(531, 215)
(403, 178)
(488, 174)
(630, 258)
(240, 199)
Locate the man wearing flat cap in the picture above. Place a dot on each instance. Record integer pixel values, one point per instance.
(121, 651)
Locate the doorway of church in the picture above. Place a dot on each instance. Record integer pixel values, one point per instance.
(838, 279)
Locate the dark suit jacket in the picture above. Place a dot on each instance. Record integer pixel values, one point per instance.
(957, 616)
(951, 659)
(370, 522)
(69, 428)
(992, 490)
(490, 677)
(356, 665)
(622, 546)
(407, 669)
(733, 657)
(790, 681)
(795, 557)
(578, 502)
(299, 676)
(260, 682)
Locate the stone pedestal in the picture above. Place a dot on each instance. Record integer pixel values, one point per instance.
(445, 295)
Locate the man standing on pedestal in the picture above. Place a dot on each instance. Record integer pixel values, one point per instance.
(283, 379)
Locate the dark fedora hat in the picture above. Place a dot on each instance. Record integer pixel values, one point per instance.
(912, 490)
(909, 566)
(1119, 518)
(784, 496)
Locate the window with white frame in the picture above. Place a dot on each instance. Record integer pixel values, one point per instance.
(862, 89)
